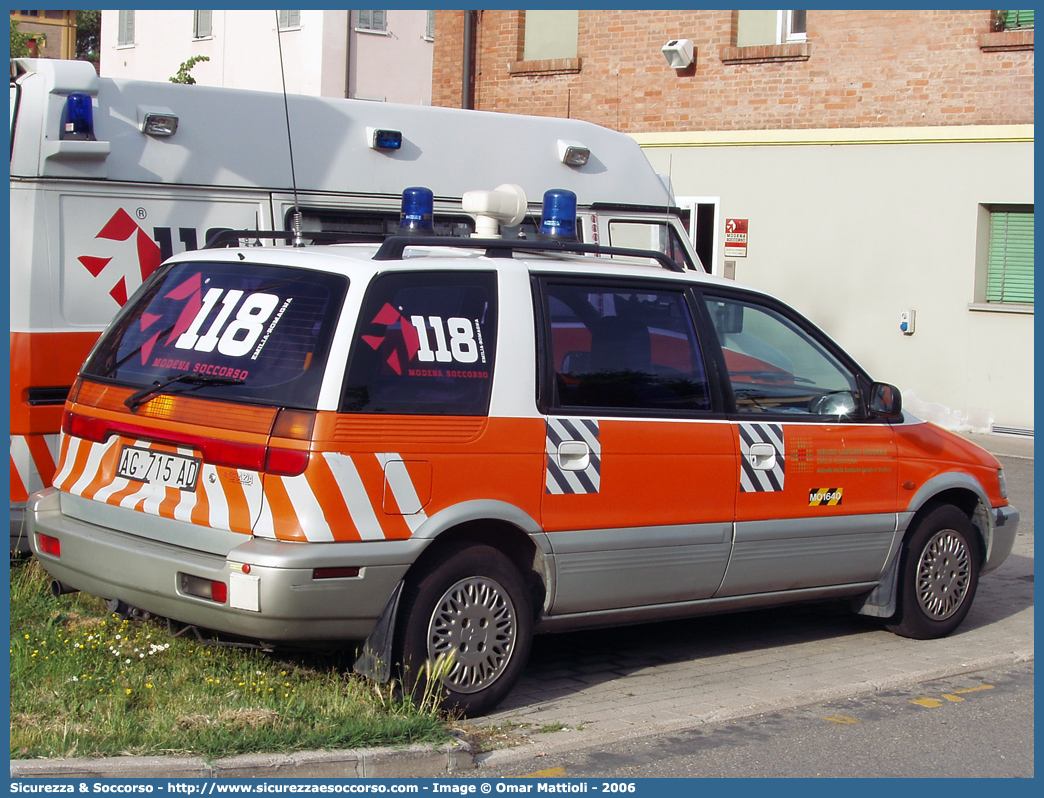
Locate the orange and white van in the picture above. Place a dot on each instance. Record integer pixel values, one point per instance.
(111, 177)
(445, 447)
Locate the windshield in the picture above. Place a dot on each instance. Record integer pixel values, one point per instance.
(236, 331)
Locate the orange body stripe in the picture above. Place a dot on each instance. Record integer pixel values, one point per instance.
(284, 517)
(239, 519)
(106, 471)
(328, 494)
(79, 464)
(200, 514)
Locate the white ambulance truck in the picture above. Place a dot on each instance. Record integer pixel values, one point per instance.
(111, 177)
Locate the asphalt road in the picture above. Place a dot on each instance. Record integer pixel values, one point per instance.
(974, 726)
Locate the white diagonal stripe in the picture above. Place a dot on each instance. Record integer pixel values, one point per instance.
(309, 511)
(24, 465)
(403, 489)
(359, 507)
(70, 458)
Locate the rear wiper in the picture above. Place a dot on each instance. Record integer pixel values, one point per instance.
(138, 398)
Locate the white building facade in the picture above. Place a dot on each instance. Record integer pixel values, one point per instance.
(381, 55)
(882, 236)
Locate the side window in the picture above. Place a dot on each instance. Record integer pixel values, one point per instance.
(613, 347)
(424, 345)
(657, 236)
(775, 366)
(366, 226)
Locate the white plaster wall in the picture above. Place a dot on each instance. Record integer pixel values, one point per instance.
(852, 234)
(244, 53)
(394, 66)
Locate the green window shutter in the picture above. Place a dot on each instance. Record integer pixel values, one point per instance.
(1010, 272)
(1017, 19)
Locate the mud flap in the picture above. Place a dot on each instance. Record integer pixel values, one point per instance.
(880, 602)
(375, 660)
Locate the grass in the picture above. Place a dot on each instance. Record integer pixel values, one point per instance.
(85, 682)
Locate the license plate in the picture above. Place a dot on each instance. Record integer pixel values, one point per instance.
(158, 468)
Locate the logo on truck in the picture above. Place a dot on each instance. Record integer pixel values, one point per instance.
(121, 227)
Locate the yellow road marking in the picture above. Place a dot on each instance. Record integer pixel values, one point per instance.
(926, 702)
(953, 698)
(842, 719)
(550, 773)
(974, 689)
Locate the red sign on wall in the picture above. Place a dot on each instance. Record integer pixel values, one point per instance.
(735, 238)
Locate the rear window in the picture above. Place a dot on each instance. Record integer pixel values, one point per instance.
(266, 326)
(424, 345)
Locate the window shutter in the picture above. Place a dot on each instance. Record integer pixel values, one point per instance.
(380, 20)
(1014, 20)
(126, 28)
(204, 24)
(1010, 274)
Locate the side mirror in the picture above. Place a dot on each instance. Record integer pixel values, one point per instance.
(885, 401)
(729, 318)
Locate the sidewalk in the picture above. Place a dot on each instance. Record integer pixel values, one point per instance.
(585, 688)
(1002, 445)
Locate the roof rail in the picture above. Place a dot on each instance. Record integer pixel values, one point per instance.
(394, 246)
(231, 238)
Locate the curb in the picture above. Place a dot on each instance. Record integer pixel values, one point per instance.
(415, 761)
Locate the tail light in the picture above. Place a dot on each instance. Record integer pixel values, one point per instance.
(289, 424)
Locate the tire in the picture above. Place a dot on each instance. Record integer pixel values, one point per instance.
(938, 576)
(471, 602)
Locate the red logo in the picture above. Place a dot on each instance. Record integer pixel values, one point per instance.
(120, 228)
(408, 345)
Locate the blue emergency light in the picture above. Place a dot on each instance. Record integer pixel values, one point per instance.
(78, 118)
(386, 140)
(558, 216)
(418, 205)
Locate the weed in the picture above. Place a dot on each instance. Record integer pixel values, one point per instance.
(88, 683)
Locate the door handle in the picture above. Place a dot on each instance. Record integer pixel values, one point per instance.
(762, 456)
(574, 456)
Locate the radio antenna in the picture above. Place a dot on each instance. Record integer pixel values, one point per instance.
(298, 240)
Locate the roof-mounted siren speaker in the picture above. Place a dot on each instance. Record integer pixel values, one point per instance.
(680, 53)
(506, 205)
(558, 216)
(418, 204)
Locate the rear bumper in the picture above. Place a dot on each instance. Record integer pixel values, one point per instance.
(291, 605)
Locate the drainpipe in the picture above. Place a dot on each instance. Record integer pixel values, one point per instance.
(348, 59)
(467, 82)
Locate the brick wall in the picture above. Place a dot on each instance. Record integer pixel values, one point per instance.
(857, 69)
